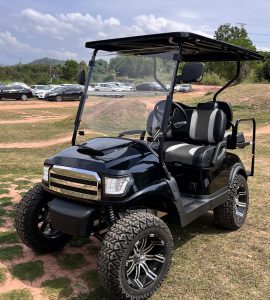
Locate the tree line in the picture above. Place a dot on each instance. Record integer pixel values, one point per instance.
(122, 67)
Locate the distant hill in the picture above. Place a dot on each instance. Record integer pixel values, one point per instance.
(47, 61)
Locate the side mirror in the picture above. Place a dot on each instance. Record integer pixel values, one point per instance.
(192, 72)
(81, 77)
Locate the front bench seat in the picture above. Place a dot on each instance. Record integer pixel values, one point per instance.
(205, 146)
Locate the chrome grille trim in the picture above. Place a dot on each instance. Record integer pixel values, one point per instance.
(75, 182)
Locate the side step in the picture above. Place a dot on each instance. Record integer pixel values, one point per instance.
(195, 207)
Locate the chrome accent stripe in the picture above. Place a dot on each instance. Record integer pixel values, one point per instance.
(74, 184)
(79, 173)
(75, 194)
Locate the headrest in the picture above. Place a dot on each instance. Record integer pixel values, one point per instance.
(207, 106)
(227, 109)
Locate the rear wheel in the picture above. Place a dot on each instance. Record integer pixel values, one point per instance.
(33, 224)
(135, 256)
(232, 214)
(24, 97)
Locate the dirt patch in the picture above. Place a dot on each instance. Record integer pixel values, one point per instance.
(39, 144)
(34, 119)
(261, 130)
(36, 104)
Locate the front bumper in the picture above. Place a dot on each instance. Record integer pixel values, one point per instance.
(73, 218)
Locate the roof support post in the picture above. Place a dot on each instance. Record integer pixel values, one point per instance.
(238, 68)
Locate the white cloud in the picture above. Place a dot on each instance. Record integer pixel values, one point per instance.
(152, 24)
(8, 40)
(188, 14)
(62, 35)
(261, 48)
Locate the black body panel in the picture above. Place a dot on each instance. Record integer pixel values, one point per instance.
(204, 181)
(72, 218)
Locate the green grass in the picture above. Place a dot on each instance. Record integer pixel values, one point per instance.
(5, 201)
(8, 237)
(4, 191)
(23, 294)
(7, 253)
(31, 132)
(91, 277)
(96, 294)
(57, 288)
(28, 271)
(71, 261)
(3, 275)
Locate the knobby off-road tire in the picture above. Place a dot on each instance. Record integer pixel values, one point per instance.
(135, 256)
(32, 223)
(232, 214)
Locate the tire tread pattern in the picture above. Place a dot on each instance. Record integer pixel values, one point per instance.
(115, 245)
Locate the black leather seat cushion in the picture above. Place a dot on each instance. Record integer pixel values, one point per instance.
(189, 154)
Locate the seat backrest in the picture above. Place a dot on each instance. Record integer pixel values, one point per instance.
(152, 122)
(208, 123)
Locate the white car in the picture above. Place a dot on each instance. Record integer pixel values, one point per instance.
(40, 94)
(36, 88)
(123, 86)
(108, 87)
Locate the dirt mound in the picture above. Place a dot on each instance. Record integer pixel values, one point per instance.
(115, 116)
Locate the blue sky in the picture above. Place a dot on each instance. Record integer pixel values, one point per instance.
(59, 28)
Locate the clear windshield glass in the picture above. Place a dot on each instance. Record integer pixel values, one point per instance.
(123, 91)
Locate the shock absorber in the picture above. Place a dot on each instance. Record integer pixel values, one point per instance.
(112, 215)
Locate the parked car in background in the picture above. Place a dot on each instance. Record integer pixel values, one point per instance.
(18, 83)
(149, 86)
(64, 93)
(35, 88)
(15, 92)
(41, 92)
(184, 88)
(123, 86)
(108, 87)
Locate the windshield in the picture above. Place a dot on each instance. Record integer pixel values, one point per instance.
(124, 90)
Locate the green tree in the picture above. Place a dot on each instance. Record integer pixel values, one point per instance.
(262, 70)
(236, 35)
(70, 70)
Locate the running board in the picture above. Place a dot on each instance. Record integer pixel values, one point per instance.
(196, 207)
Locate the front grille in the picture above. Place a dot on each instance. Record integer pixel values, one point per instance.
(75, 182)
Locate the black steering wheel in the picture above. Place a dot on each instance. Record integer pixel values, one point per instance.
(159, 112)
(178, 107)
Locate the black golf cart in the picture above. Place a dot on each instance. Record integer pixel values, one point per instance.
(141, 159)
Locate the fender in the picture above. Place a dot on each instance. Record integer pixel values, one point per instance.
(158, 196)
(237, 168)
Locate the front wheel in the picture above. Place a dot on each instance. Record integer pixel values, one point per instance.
(58, 98)
(33, 224)
(135, 256)
(24, 97)
(232, 214)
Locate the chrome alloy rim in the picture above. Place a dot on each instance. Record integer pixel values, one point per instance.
(145, 261)
(240, 202)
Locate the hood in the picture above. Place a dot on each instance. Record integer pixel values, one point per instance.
(115, 156)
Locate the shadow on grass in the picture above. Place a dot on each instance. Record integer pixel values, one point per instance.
(204, 225)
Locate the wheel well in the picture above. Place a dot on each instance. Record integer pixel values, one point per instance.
(238, 168)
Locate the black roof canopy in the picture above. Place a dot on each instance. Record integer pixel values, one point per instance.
(194, 47)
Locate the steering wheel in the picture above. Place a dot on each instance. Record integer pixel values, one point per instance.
(182, 123)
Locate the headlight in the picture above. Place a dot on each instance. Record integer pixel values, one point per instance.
(46, 173)
(117, 186)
